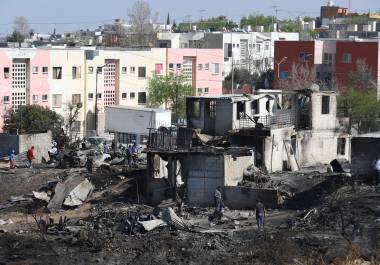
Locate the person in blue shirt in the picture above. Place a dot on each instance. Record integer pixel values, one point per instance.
(11, 156)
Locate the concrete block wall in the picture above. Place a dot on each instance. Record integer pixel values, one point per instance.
(41, 143)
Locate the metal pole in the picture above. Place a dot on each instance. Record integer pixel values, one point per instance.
(96, 102)
(232, 62)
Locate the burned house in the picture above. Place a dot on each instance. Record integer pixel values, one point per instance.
(275, 130)
(287, 130)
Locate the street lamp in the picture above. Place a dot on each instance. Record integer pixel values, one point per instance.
(278, 65)
(98, 69)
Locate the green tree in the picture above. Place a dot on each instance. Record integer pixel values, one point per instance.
(171, 91)
(216, 23)
(255, 20)
(359, 100)
(362, 107)
(15, 37)
(33, 118)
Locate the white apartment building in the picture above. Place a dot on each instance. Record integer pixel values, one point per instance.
(253, 51)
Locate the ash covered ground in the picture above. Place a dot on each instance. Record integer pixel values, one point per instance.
(335, 221)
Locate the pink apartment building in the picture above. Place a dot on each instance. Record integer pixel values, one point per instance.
(55, 77)
(202, 67)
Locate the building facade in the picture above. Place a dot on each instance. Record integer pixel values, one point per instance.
(333, 60)
(242, 50)
(58, 77)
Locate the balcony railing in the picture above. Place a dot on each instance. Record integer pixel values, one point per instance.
(170, 139)
(279, 120)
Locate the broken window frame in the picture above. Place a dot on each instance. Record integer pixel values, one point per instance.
(325, 105)
(341, 146)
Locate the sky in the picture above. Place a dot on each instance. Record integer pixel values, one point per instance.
(69, 15)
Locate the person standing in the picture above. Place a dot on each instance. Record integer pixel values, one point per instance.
(12, 163)
(30, 157)
(376, 168)
(260, 214)
(219, 205)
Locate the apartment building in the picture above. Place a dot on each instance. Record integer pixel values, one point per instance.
(58, 77)
(333, 59)
(252, 51)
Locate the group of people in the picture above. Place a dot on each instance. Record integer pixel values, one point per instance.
(259, 209)
(29, 156)
(131, 153)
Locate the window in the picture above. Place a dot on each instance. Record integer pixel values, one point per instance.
(142, 72)
(347, 58)
(45, 70)
(45, 97)
(141, 98)
(126, 138)
(132, 70)
(75, 99)
(237, 45)
(6, 72)
(325, 104)
(195, 109)
(99, 70)
(158, 69)
(57, 72)
(327, 59)
(124, 70)
(215, 68)
(35, 69)
(132, 95)
(266, 47)
(200, 67)
(341, 148)
(171, 67)
(6, 99)
(199, 90)
(233, 45)
(99, 95)
(284, 74)
(240, 110)
(179, 66)
(57, 100)
(90, 96)
(304, 57)
(227, 51)
(76, 73)
(207, 66)
(206, 90)
(90, 69)
(35, 98)
(258, 48)
(124, 95)
(75, 127)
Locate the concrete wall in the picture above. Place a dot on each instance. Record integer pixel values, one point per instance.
(321, 121)
(243, 198)
(40, 141)
(234, 168)
(274, 150)
(320, 147)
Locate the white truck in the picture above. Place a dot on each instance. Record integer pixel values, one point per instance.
(131, 124)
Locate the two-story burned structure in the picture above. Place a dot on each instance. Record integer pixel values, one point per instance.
(274, 129)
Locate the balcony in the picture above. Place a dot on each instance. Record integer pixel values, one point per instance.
(281, 119)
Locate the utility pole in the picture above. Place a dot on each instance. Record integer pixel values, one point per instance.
(232, 66)
(276, 13)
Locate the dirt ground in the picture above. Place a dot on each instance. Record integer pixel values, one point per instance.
(342, 226)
